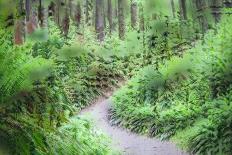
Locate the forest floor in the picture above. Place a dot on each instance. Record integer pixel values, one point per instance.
(123, 140)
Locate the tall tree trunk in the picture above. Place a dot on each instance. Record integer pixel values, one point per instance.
(78, 15)
(31, 17)
(201, 5)
(28, 9)
(110, 15)
(173, 8)
(19, 32)
(51, 9)
(57, 11)
(66, 21)
(133, 14)
(42, 14)
(142, 24)
(121, 20)
(216, 6)
(228, 3)
(99, 26)
(115, 15)
(183, 9)
(141, 19)
(71, 9)
(87, 11)
(104, 14)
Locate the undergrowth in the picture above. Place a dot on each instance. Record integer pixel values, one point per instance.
(188, 98)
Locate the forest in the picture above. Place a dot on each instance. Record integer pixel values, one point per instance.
(115, 77)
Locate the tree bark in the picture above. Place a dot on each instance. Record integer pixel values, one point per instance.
(71, 9)
(43, 15)
(228, 3)
(201, 6)
(57, 12)
(87, 12)
(121, 20)
(28, 9)
(99, 25)
(78, 15)
(134, 14)
(66, 21)
(110, 15)
(19, 32)
(216, 6)
(183, 10)
(115, 15)
(31, 17)
(141, 19)
(173, 8)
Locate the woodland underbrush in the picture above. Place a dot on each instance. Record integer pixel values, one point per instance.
(44, 82)
(188, 99)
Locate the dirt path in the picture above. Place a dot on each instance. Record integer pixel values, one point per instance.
(129, 143)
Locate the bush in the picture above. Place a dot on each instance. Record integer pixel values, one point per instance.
(182, 92)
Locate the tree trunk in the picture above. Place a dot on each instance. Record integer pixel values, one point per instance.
(66, 21)
(110, 15)
(19, 32)
(228, 3)
(71, 9)
(173, 8)
(28, 9)
(87, 12)
(141, 19)
(52, 9)
(121, 22)
(99, 25)
(183, 9)
(134, 14)
(216, 6)
(142, 25)
(31, 17)
(201, 5)
(57, 12)
(104, 14)
(115, 15)
(42, 15)
(78, 15)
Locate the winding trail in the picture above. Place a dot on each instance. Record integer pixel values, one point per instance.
(129, 143)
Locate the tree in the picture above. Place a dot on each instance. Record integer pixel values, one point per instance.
(110, 15)
(78, 14)
(71, 9)
(99, 25)
(228, 3)
(141, 18)
(87, 11)
(121, 21)
(201, 6)
(28, 9)
(115, 14)
(133, 14)
(216, 6)
(57, 11)
(173, 8)
(183, 9)
(66, 21)
(31, 17)
(19, 32)
(42, 15)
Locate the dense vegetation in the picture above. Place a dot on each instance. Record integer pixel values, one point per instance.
(189, 94)
(57, 57)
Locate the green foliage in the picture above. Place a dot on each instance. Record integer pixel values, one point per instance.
(34, 101)
(79, 137)
(45, 81)
(173, 99)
